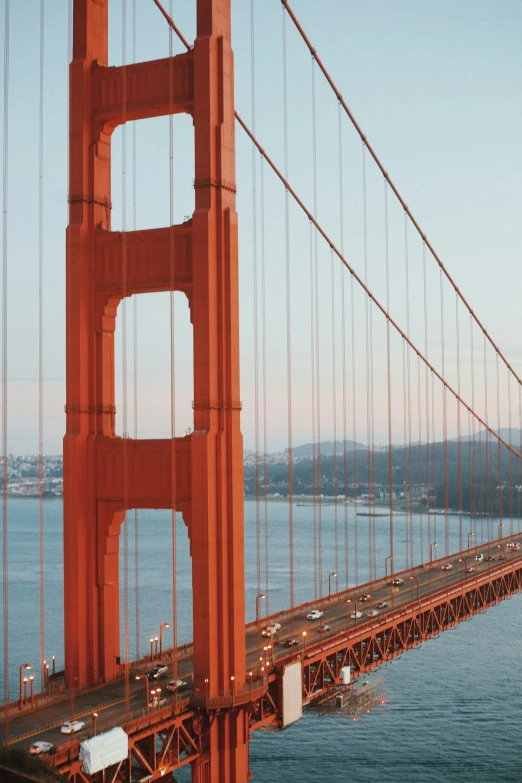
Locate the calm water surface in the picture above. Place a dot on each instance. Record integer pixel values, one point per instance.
(454, 705)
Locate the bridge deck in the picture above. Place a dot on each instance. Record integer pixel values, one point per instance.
(429, 601)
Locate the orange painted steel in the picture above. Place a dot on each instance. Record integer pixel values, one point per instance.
(161, 742)
(104, 475)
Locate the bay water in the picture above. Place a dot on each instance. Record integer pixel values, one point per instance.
(453, 708)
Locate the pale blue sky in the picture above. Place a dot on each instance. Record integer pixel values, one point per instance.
(436, 87)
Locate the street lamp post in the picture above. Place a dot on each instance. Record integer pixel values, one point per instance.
(415, 576)
(432, 546)
(470, 535)
(304, 642)
(162, 626)
(151, 642)
(233, 684)
(25, 688)
(22, 667)
(258, 598)
(94, 719)
(334, 573)
(144, 677)
(31, 689)
(207, 687)
(390, 558)
(354, 601)
(156, 641)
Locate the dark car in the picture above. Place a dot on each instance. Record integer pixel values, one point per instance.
(158, 671)
(291, 642)
(489, 558)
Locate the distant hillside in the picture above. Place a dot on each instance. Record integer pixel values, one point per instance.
(327, 448)
(475, 476)
(512, 436)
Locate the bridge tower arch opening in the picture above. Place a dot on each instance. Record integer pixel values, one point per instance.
(200, 474)
(156, 380)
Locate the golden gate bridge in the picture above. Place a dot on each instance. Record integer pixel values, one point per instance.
(360, 321)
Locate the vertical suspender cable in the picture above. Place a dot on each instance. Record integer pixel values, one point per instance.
(487, 450)
(135, 361)
(408, 397)
(124, 352)
(5, 559)
(444, 419)
(510, 462)
(473, 478)
(334, 415)
(314, 444)
(172, 265)
(499, 451)
(343, 344)
(288, 330)
(407, 527)
(367, 358)
(427, 401)
(388, 372)
(354, 429)
(459, 434)
(421, 472)
(317, 343)
(256, 316)
(520, 451)
(40, 349)
(434, 457)
(265, 440)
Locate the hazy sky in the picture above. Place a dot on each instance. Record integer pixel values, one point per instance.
(436, 87)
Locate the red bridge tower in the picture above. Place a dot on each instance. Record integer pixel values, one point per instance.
(200, 475)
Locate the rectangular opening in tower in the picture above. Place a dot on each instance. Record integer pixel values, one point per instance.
(152, 173)
(154, 366)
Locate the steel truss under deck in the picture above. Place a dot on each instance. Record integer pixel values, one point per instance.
(161, 742)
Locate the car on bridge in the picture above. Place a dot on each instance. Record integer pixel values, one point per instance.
(324, 628)
(175, 685)
(398, 582)
(41, 747)
(291, 643)
(356, 615)
(382, 605)
(372, 613)
(72, 726)
(161, 670)
(271, 630)
(446, 567)
(315, 614)
(366, 597)
(470, 570)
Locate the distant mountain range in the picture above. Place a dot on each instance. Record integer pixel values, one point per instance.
(328, 448)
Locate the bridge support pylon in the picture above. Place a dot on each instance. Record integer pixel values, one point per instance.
(200, 475)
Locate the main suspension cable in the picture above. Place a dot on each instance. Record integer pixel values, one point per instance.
(392, 185)
(361, 283)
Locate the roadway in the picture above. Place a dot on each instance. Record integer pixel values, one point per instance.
(109, 700)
